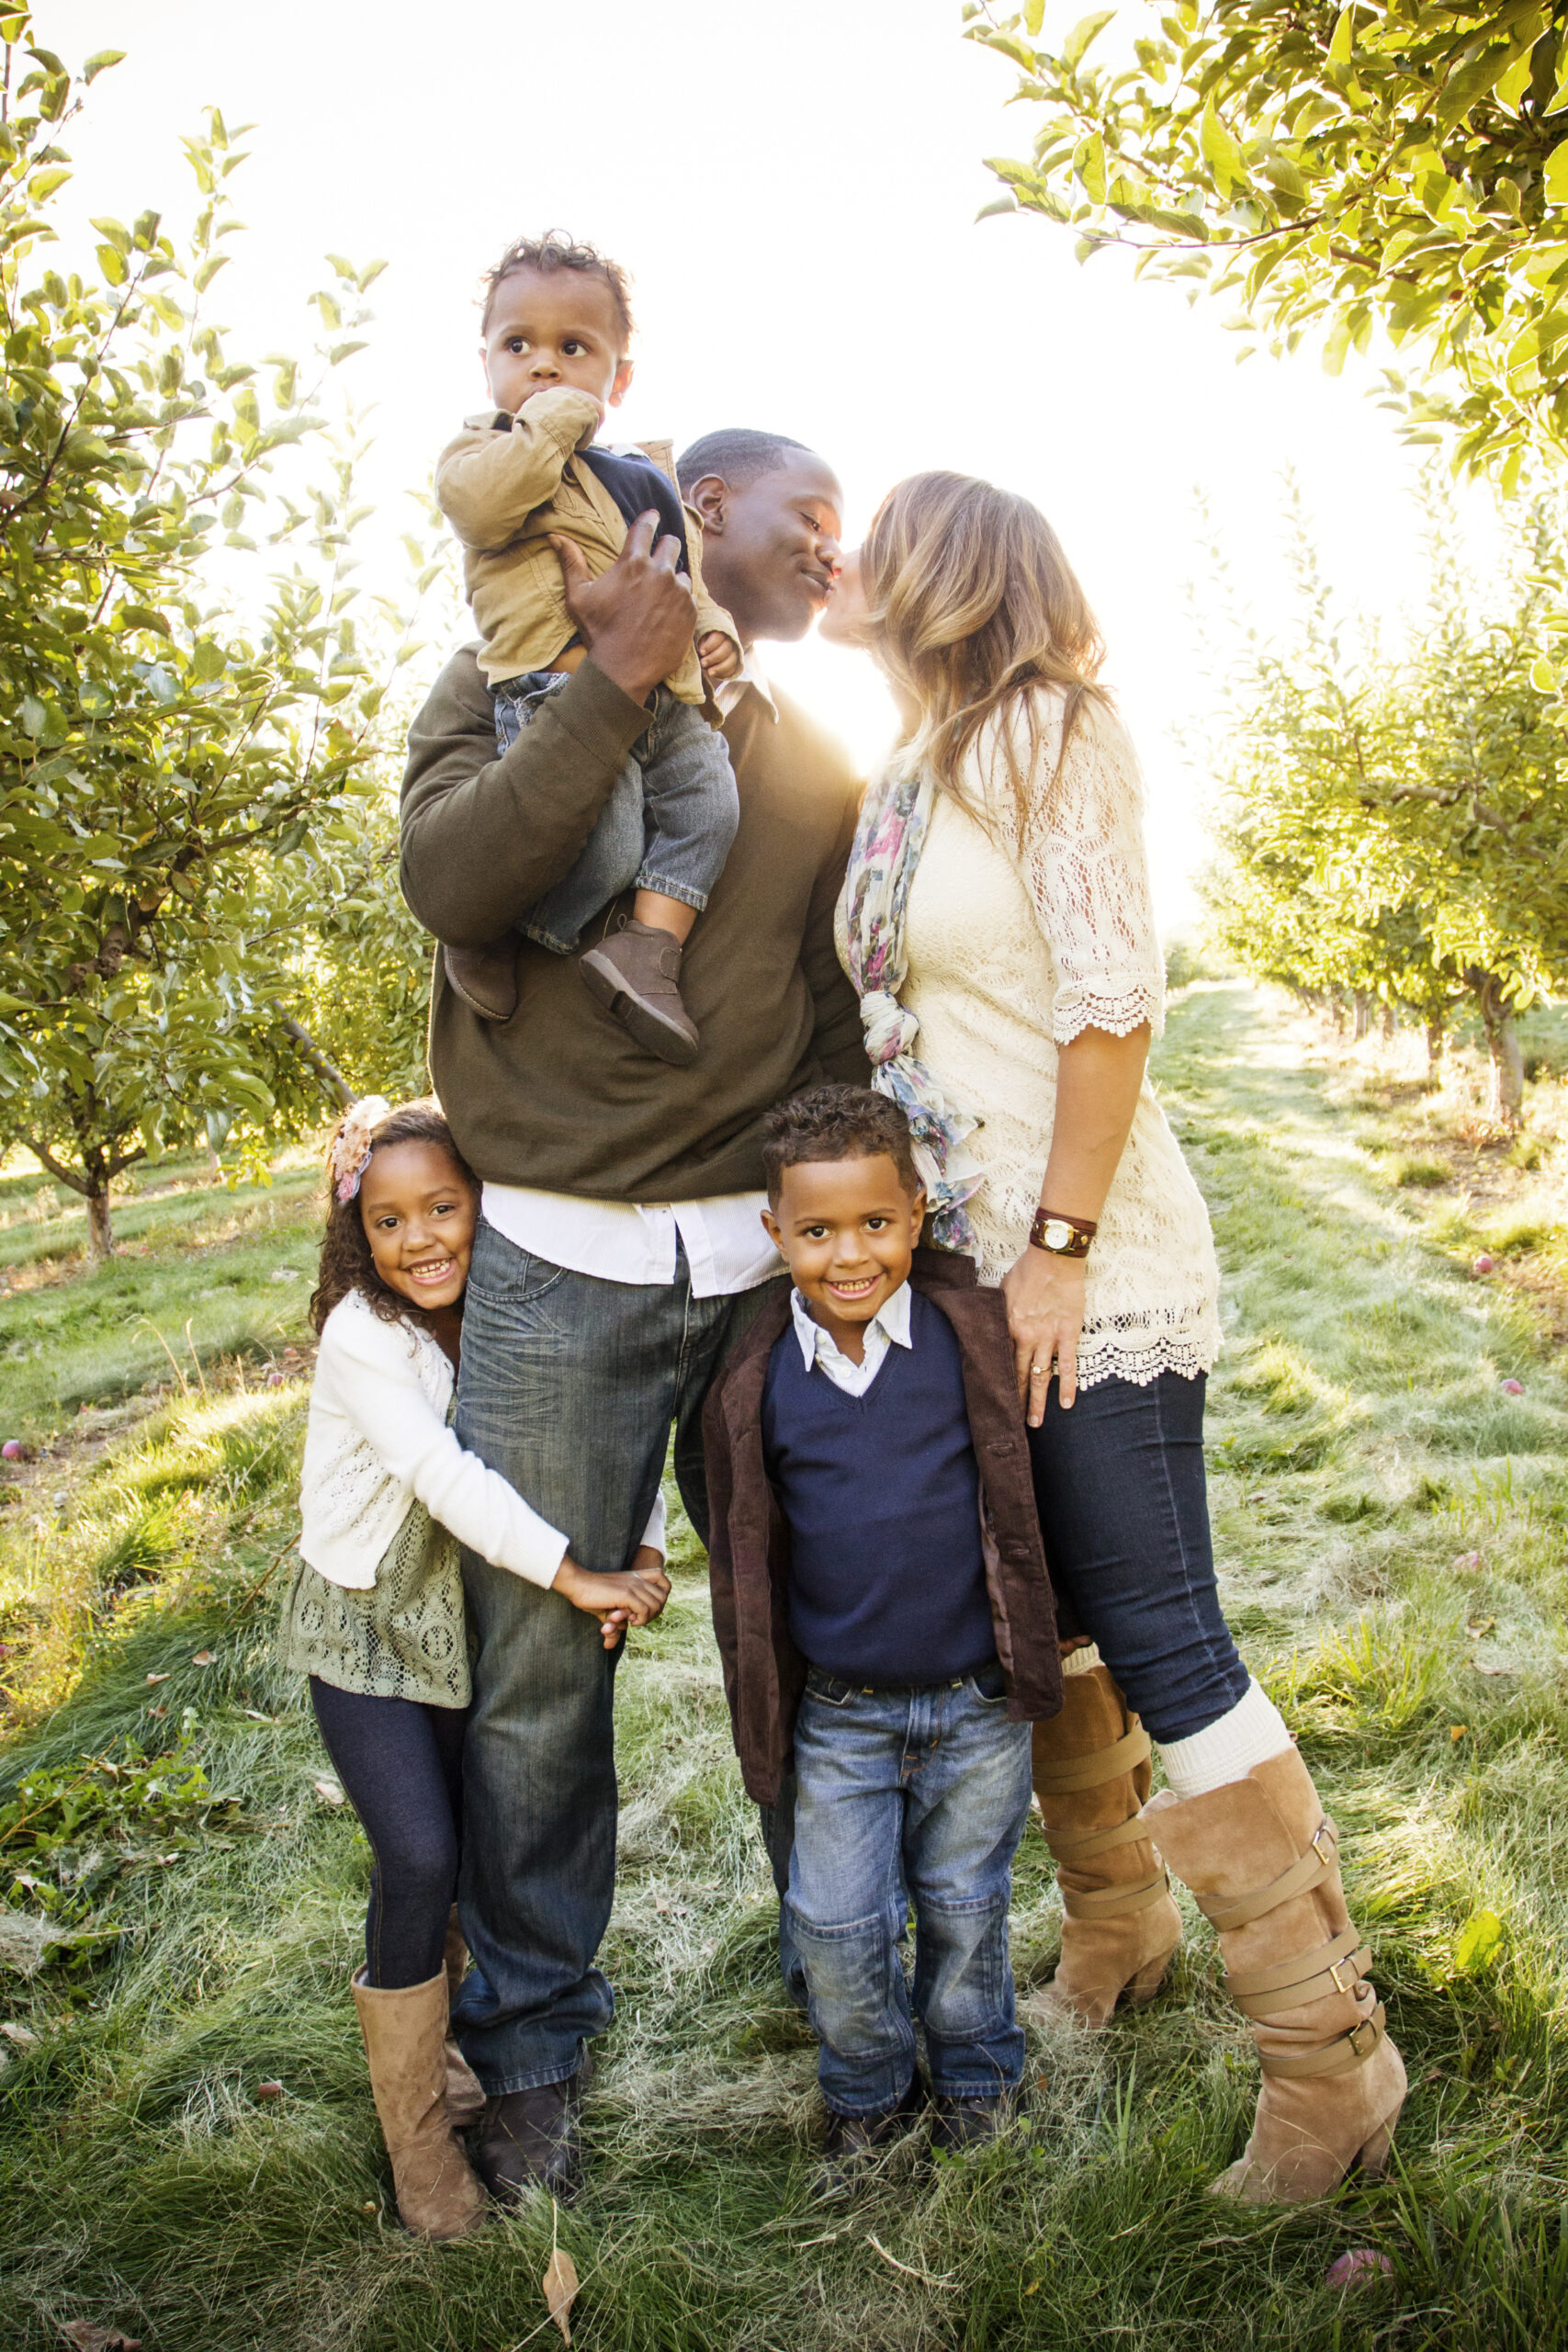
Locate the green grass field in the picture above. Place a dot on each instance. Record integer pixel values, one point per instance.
(1393, 1527)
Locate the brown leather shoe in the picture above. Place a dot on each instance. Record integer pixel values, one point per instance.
(636, 971)
(854, 2142)
(529, 2139)
(961, 2127)
(485, 977)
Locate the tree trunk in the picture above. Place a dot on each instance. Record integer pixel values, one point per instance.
(1437, 1039)
(1506, 1103)
(1389, 1024)
(1363, 1016)
(100, 1236)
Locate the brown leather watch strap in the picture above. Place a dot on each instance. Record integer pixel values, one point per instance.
(1062, 1237)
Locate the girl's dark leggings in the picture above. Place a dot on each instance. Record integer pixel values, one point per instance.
(401, 1766)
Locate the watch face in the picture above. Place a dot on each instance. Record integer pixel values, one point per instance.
(1058, 1234)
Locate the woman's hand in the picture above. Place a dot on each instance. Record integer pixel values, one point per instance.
(633, 1598)
(1045, 1303)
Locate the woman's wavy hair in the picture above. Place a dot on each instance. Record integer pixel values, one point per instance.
(346, 1264)
(973, 603)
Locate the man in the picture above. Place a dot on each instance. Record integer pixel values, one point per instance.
(621, 1247)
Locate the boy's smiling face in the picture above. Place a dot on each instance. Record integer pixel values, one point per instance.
(847, 1229)
(552, 327)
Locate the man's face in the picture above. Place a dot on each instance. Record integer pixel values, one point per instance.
(771, 546)
(553, 327)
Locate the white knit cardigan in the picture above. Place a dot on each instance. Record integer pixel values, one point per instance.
(1020, 936)
(376, 1438)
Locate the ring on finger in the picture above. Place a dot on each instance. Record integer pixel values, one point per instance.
(1038, 1370)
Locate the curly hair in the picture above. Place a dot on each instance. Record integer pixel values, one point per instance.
(558, 250)
(346, 1262)
(837, 1123)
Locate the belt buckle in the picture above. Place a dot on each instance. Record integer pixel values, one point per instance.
(1334, 1968)
(1332, 1856)
(1364, 2026)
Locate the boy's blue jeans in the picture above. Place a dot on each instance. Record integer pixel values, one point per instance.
(668, 824)
(918, 1798)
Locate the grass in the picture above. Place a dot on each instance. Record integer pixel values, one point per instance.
(1394, 1533)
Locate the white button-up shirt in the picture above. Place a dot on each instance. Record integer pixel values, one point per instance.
(889, 1327)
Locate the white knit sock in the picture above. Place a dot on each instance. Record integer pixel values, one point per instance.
(1252, 1732)
(1082, 1661)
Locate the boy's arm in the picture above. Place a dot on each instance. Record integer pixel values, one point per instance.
(488, 483)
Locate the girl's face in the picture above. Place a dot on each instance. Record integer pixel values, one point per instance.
(419, 1214)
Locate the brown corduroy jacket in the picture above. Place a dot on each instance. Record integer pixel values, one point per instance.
(749, 1540)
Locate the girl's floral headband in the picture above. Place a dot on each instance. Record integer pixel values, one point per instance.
(355, 1141)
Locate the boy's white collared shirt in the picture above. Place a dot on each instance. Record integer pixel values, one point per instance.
(889, 1327)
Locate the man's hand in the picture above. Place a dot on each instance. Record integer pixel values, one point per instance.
(637, 618)
(1045, 1303)
(719, 655)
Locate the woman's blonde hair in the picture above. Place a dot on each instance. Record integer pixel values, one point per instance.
(973, 603)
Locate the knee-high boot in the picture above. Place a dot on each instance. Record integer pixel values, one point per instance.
(465, 2100)
(1263, 1859)
(1120, 1928)
(439, 2194)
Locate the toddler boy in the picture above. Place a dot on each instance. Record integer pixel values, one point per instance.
(882, 1605)
(557, 327)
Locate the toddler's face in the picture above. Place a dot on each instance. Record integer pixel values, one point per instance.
(847, 1229)
(419, 1214)
(553, 327)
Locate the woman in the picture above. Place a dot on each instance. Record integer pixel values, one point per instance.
(997, 911)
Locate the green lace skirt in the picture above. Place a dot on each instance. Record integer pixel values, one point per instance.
(404, 1638)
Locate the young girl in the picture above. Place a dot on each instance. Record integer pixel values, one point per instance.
(375, 1612)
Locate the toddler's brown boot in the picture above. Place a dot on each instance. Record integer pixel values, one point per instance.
(636, 971)
(485, 977)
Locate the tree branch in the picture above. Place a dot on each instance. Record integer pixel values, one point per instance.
(332, 1078)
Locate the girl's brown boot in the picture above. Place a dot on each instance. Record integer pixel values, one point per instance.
(439, 2196)
(1120, 1928)
(465, 2100)
(1262, 1860)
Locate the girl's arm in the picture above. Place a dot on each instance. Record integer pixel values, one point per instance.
(380, 1390)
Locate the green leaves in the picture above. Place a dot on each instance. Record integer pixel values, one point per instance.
(1396, 163)
(1478, 1943)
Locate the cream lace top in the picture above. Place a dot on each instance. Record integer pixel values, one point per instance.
(1015, 944)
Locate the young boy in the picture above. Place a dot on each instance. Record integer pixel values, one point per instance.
(882, 1605)
(518, 480)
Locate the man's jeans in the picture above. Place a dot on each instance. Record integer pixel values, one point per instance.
(568, 1388)
(909, 1797)
(668, 824)
(1119, 1480)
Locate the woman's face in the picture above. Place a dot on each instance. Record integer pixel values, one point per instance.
(846, 620)
(419, 1215)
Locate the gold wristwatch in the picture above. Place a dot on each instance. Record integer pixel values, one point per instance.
(1062, 1237)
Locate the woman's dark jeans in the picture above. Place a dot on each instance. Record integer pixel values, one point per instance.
(1119, 1480)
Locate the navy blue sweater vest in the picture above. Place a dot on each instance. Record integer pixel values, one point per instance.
(882, 1495)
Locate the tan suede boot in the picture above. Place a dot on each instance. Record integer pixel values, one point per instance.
(465, 2100)
(404, 2026)
(1092, 1775)
(1262, 1860)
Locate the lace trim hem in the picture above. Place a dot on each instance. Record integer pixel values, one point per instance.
(1117, 1007)
(1107, 1357)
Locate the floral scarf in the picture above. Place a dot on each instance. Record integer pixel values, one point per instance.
(888, 845)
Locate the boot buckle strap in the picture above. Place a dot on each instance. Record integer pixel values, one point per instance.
(1338, 2057)
(1370, 2027)
(1305, 1977)
(1308, 1870)
(1072, 1851)
(1124, 1755)
(1114, 1902)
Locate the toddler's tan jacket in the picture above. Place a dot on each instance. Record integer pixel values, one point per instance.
(503, 494)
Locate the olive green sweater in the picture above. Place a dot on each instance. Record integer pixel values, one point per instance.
(559, 1096)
